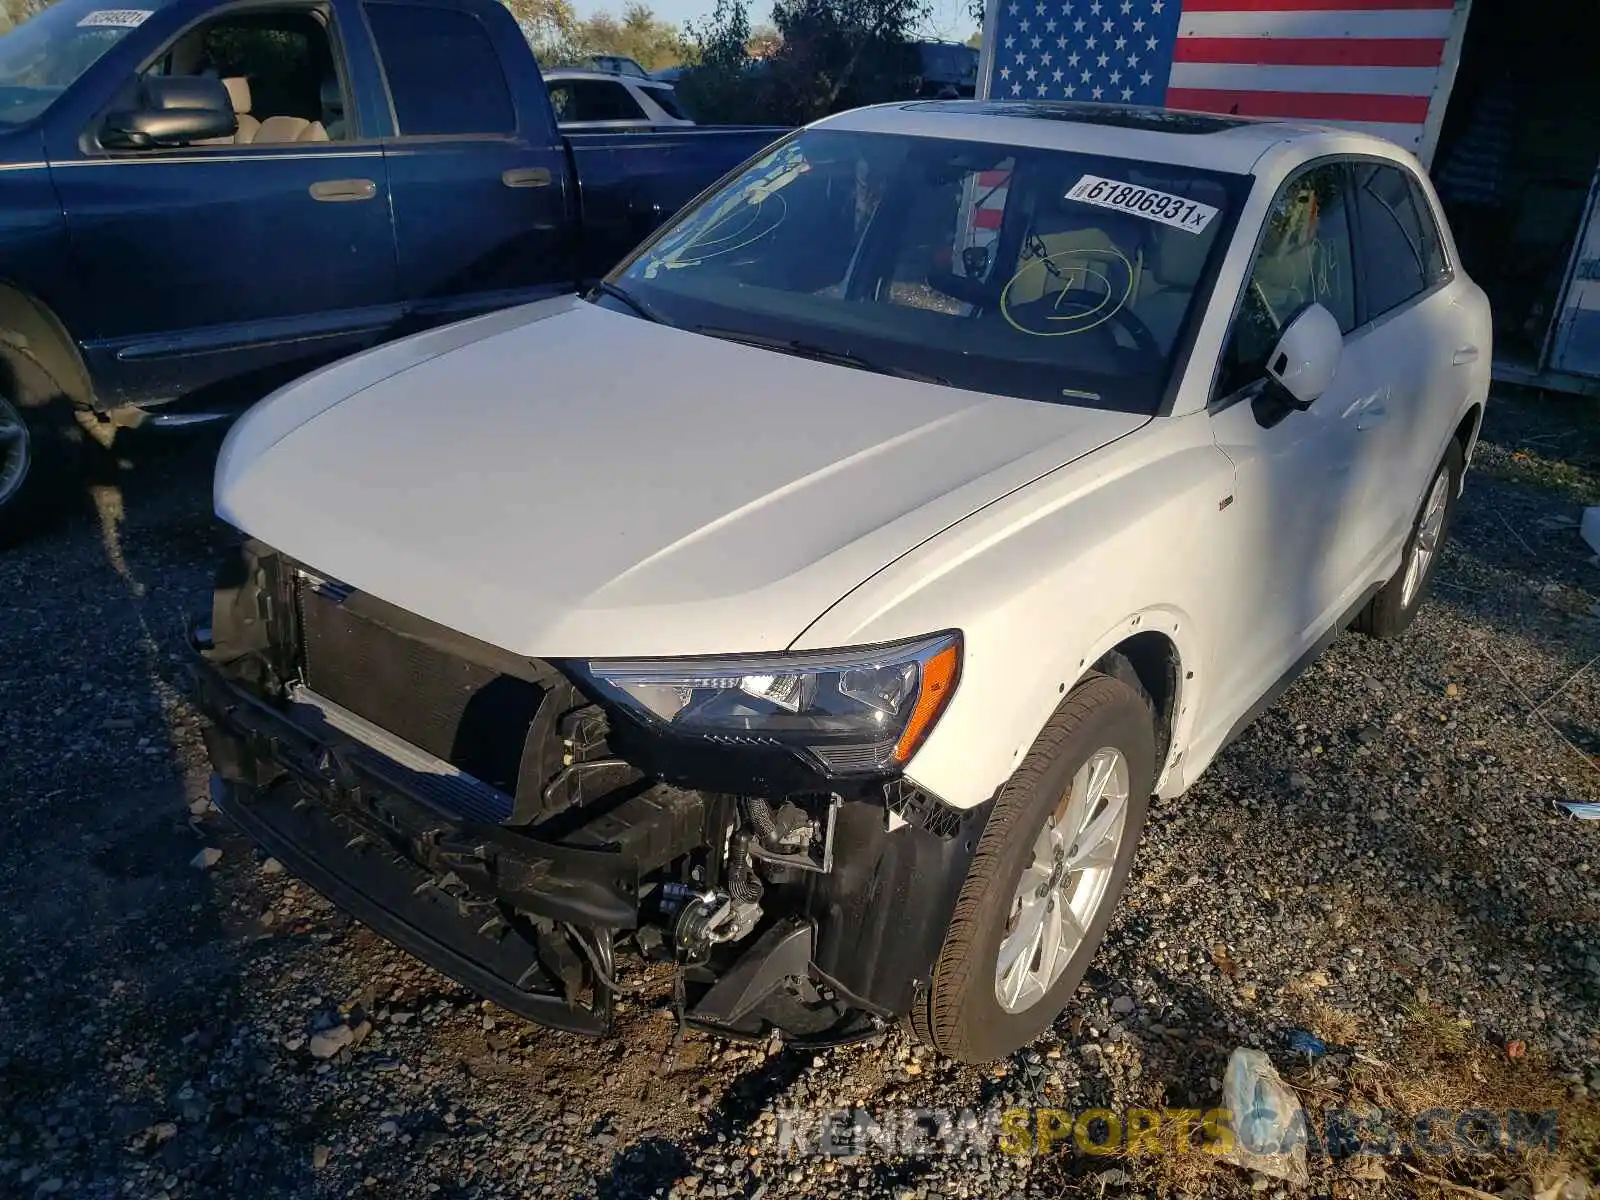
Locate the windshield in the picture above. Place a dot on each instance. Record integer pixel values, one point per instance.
(1014, 270)
(46, 53)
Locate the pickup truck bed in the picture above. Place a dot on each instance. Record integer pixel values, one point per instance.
(367, 168)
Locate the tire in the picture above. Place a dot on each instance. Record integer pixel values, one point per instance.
(1390, 613)
(962, 1015)
(49, 442)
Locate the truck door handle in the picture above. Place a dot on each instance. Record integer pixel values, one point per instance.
(341, 191)
(526, 177)
(1464, 355)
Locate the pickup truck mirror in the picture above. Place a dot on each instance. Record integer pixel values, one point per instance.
(172, 111)
(1303, 362)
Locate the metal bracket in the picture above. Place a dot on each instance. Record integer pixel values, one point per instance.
(804, 862)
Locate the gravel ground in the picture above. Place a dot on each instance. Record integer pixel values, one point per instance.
(1380, 857)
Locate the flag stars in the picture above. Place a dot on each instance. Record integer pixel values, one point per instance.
(1107, 25)
(1103, 60)
(1122, 43)
(1097, 93)
(1005, 72)
(1133, 60)
(1127, 7)
(1025, 25)
(1116, 77)
(1037, 42)
(1058, 75)
(1144, 79)
(1016, 89)
(1094, 9)
(1046, 58)
(1032, 74)
(1077, 26)
(1072, 59)
(1010, 41)
(1087, 75)
(1092, 42)
(1012, 10)
(1149, 43)
(1138, 25)
(1061, 43)
(1158, 6)
(1050, 26)
(1038, 9)
(1072, 90)
(1127, 94)
(1044, 89)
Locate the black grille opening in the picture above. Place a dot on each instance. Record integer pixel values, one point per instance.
(473, 717)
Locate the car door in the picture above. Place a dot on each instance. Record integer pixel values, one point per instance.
(477, 170)
(1287, 554)
(1415, 339)
(248, 258)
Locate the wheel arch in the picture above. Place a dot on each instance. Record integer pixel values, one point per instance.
(39, 357)
(1466, 433)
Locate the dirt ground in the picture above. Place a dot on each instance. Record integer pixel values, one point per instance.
(1382, 862)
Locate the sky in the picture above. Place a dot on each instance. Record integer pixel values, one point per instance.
(949, 18)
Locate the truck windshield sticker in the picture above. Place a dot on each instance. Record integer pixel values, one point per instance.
(114, 18)
(1188, 215)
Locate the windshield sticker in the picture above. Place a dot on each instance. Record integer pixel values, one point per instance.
(1068, 292)
(114, 18)
(1188, 215)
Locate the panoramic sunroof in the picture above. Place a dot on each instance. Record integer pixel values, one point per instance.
(1126, 116)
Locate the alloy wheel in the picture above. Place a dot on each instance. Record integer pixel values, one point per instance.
(15, 456)
(1426, 543)
(1063, 886)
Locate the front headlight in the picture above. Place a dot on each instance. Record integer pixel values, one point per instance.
(857, 710)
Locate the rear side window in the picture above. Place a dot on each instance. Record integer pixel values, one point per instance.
(1436, 267)
(444, 75)
(1394, 257)
(668, 100)
(593, 100)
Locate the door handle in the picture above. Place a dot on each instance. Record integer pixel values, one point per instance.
(1464, 355)
(526, 177)
(342, 191)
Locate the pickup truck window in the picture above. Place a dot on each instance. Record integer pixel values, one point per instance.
(969, 262)
(45, 54)
(470, 95)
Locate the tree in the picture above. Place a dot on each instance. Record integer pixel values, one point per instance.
(765, 41)
(551, 27)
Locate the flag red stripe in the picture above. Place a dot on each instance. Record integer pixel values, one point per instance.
(1194, 6)
(1312, 52)
(990, 179)
(988, 218)
(1307, 106)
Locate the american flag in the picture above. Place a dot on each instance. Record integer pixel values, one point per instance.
(1372, 64)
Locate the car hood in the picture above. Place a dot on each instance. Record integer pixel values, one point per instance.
(561, 480)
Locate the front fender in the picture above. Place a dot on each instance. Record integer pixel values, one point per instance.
(1046, 581)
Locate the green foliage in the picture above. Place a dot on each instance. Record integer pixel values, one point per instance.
(831, 55)
(559, 38)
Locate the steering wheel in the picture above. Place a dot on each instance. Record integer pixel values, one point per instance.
(1124, 318)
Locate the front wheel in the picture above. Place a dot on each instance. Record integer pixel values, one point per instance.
(1392, 610)
(1045, 878)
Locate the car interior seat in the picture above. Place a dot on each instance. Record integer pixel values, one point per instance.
(1087, 247)
(239, 94)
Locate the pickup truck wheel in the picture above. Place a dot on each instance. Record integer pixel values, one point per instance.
(35, 454)
(1392, 610)
(1045, 877)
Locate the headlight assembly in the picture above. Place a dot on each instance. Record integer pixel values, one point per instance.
(854, 711)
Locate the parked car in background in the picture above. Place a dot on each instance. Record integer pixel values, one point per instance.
(203, 201)
(818, 603)
(593, 100)
(616, 64)
(946, 70)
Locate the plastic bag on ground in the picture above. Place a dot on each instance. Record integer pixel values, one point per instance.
(1269, 1125)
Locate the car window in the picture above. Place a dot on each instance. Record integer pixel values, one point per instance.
(444, 75)
(1436, 267)
(668, 100)
(598, 100)
(45, 53)
(1393, 255)
(1305, 257)
(1013, 270)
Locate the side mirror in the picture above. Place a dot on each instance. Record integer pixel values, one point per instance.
(1303, 362)
(172, 111)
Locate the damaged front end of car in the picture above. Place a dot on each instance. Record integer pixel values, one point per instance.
(544, 831)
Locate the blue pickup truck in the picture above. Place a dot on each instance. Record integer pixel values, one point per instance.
(201, 199)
